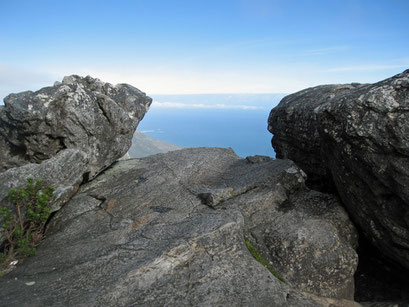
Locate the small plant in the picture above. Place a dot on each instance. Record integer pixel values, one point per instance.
(23, 227)
(255, 253)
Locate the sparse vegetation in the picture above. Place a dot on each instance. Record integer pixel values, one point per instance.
(24, 221)
(255, 253)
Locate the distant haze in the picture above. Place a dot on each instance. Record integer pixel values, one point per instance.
(217, 101)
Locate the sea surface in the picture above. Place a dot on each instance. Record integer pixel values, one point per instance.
(213, 121)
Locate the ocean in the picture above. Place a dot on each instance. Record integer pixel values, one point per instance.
(219, 120)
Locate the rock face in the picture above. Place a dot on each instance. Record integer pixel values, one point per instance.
(82, 113)
(356, 138)
(171, 229)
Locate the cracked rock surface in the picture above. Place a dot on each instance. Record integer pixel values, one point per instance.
(355, 138)
(142, 233)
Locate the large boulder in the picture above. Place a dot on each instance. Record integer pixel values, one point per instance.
(354, 137)
(82, 113)
(174, 229)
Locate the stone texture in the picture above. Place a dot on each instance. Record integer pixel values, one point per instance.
(356, 138)
(142, 233)
(82, 113)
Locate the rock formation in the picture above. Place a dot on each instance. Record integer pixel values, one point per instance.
(171, 229)
(354, 137)
(80, 113)
(67, 133)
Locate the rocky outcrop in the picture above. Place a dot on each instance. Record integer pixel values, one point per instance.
(66, 134)
(172, 229)
(81, 113)
(356, 138)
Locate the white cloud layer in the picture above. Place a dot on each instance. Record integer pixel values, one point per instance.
(178, 105)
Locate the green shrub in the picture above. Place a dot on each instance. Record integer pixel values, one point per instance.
(23, 227)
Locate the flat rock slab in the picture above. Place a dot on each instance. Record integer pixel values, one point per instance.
(142, 234)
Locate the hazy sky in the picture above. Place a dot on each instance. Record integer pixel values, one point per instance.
(194, 46)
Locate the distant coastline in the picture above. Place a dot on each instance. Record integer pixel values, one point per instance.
(238, 121)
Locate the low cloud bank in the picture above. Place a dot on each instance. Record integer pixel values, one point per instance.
(179, 105)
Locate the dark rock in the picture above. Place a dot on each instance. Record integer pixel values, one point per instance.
(296, 131)
(355, 137)
(82, 113)
(123, 241)
(378, 279)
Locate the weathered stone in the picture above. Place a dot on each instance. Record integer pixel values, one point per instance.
(83, 113)
(139, 234)
(356, 137)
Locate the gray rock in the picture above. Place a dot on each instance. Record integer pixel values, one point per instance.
(140, 235)
(355, 137)
(83, 113)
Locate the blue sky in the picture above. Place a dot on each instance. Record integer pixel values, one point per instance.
(185, 47)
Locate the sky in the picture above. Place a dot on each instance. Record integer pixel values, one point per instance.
(195, 46)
